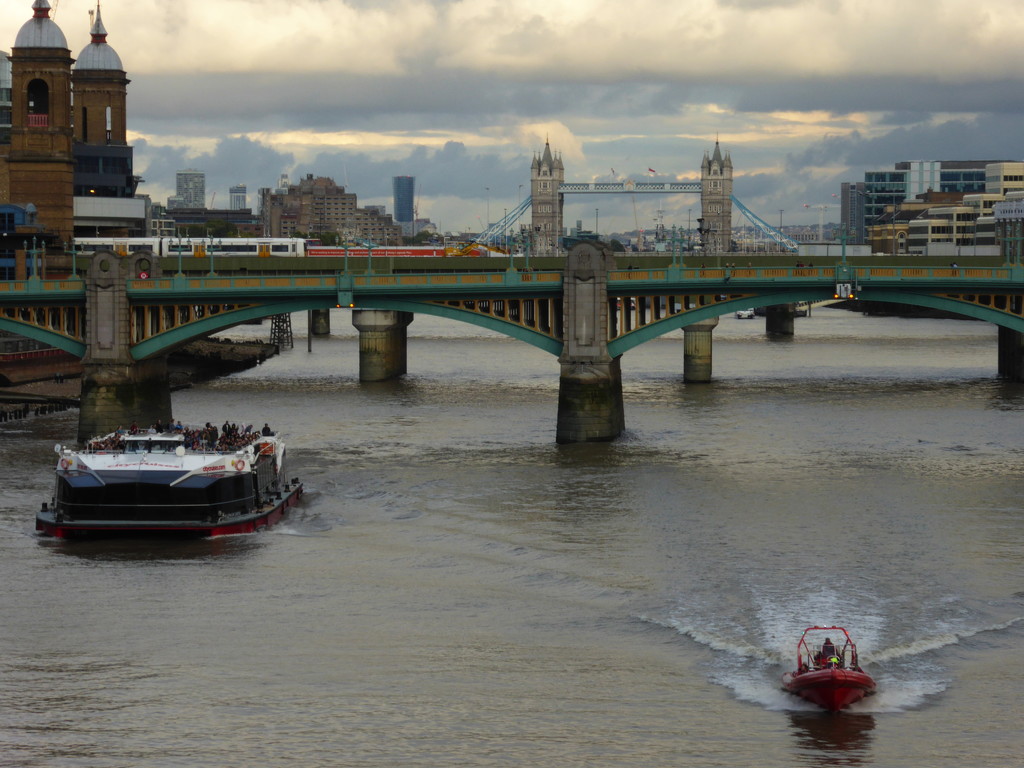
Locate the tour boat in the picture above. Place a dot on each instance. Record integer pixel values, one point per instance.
(827, 672)
(176, 481)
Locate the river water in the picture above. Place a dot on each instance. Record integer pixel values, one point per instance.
(457, 590)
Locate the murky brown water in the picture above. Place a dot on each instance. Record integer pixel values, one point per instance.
(457, 590)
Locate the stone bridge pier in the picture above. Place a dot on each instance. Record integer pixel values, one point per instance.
(116, 389)
(590, 385)
(383, 343)
(697, 349)
(1011, 354)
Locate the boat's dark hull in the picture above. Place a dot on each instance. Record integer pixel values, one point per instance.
(265, 516)
(831, 689)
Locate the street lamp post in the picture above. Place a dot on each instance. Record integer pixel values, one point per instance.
(597, 218)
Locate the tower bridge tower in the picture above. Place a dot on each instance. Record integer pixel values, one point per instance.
(546, 175)
(716, 201)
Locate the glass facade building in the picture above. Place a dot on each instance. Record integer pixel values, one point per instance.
(404, 188)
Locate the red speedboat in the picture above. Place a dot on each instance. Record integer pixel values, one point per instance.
(827, 672)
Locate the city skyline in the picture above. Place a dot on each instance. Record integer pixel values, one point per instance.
(461, 95)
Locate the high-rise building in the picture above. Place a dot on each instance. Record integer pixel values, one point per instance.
(404, 188)
(190, 188)
(851, 204)
(239, 199)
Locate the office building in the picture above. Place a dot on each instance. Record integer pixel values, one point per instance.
(238, 198)
(863, 203)
(190, 189)
(316, 206)
(404, 188)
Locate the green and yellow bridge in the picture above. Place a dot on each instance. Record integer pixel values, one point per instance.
(112, 318)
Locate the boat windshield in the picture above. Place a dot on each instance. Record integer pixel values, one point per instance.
(151, 446)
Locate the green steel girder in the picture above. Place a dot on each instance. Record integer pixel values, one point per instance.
(960, 307)
(653, 330)
(182, 334)
(658, 328)
(44, 335)
(516, 331)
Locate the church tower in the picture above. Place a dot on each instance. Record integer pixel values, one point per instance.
(40, 161)
(546, 175)
(716, 201)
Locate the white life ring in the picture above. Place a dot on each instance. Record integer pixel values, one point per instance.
(239, 464)
(64, 463)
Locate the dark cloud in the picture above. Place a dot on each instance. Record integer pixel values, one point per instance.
(231, 103)
(986, 137)
(895, 94)
(233, 161)
(451, 170)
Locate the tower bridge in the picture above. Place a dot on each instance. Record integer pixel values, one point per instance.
(587, 315)
(548, 189)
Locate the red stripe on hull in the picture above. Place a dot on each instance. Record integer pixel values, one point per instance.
(249, 525)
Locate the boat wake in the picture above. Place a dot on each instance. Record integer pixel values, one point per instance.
(926, 644)
(751, 663)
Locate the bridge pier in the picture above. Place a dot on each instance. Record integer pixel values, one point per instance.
(697, 350)
(1011, 354)
(116, 388)
(320, 322)
(778, 319)
(382, 343)
(590, 384)
(116, 395)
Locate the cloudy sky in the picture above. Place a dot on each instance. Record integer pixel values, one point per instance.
(461, 94)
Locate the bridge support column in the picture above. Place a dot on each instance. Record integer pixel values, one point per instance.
(697, 350)
(778, 319)
(1011, 354)
(320, 322)
(117, 389)
(116, 395)
(590, 384)
(382, 343)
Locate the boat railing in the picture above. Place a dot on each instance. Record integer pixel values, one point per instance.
(843, 654)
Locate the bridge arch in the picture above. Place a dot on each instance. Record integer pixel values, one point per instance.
(948, 303)
(46, 336)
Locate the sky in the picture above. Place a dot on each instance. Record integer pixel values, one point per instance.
(462, 94)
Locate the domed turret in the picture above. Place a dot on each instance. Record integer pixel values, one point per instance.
(40, 31)
(98, 54)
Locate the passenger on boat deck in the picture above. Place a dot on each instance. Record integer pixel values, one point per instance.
(828, 650)
(266, 431)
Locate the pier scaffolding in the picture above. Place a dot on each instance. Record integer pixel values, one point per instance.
(281, 331)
